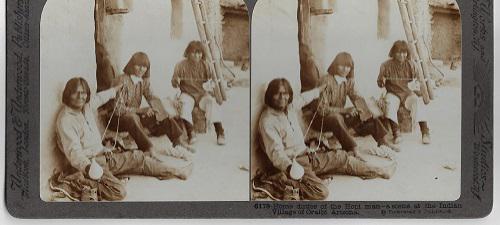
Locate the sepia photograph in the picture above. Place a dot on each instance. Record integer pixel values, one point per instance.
(144, 100)
(356, 100)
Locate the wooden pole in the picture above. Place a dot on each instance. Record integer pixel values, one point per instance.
(304, 20)
(422, 52)
(201, 24)
(176, 22)
(383, 20)
(98, 20)
(309, 72)
(413, 51)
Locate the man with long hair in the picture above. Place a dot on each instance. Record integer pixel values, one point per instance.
(80, 140)
(395, 76)
(283, 142)
(328, 112)
(127, 115)
(192, 77)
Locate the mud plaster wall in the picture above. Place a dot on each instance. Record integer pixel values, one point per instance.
(274, 53)
(446, 36)
(423, 20)
(352, 28)
(67, 50)
(384, 7)
(236, 35)
(318, 37)
(110, 32)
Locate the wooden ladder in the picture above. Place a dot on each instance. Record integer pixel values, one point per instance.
(417, 48)
(210, 47)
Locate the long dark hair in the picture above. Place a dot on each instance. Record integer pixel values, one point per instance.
(400, 46)
(194, 46)
(138, 58)
(342, 59)
(273, 88)
(71, 87)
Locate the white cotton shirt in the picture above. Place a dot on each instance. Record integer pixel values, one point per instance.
(281, 132)
(78, 136)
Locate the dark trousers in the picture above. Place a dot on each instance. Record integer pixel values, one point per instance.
(135, 125)
(126, 163)
(325, 164)
(339, 124)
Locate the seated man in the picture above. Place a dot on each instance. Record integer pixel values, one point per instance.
(329, 113)
(192, 76)
(80, 140)
(396, 74)
(283, 142)
(126, 113)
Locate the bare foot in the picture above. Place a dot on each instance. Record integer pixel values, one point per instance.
(358, 155)
(179, 168)
(396, 139)
(391, 146)
(187, 146)
(388, 171)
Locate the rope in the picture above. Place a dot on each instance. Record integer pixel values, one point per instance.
(430, 59)
(321, 130)
(320, 133)
(222, 59)
(192, 79)
(120, 99)
(312, 120)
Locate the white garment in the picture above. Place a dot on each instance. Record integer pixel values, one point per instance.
(340, 79)
(135, 79)
(413, 103)
(213, 111)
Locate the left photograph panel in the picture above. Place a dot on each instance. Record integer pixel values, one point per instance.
(144, 100)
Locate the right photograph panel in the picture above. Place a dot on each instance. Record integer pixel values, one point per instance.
(356, 100)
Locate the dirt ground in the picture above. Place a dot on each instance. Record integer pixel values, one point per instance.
(424, 172)
(219, 172)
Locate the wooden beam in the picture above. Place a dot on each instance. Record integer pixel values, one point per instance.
(383, 22)
(304, 21)
(176, 22)
(309, 72)
(99, 12)
(318, 12)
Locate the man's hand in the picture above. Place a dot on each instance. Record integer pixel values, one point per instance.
(381, 82)
(108, 152)
(150, 112)
(312, 148)
(107, 148)
(351, 111)
(414, 85)
(208, 85)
